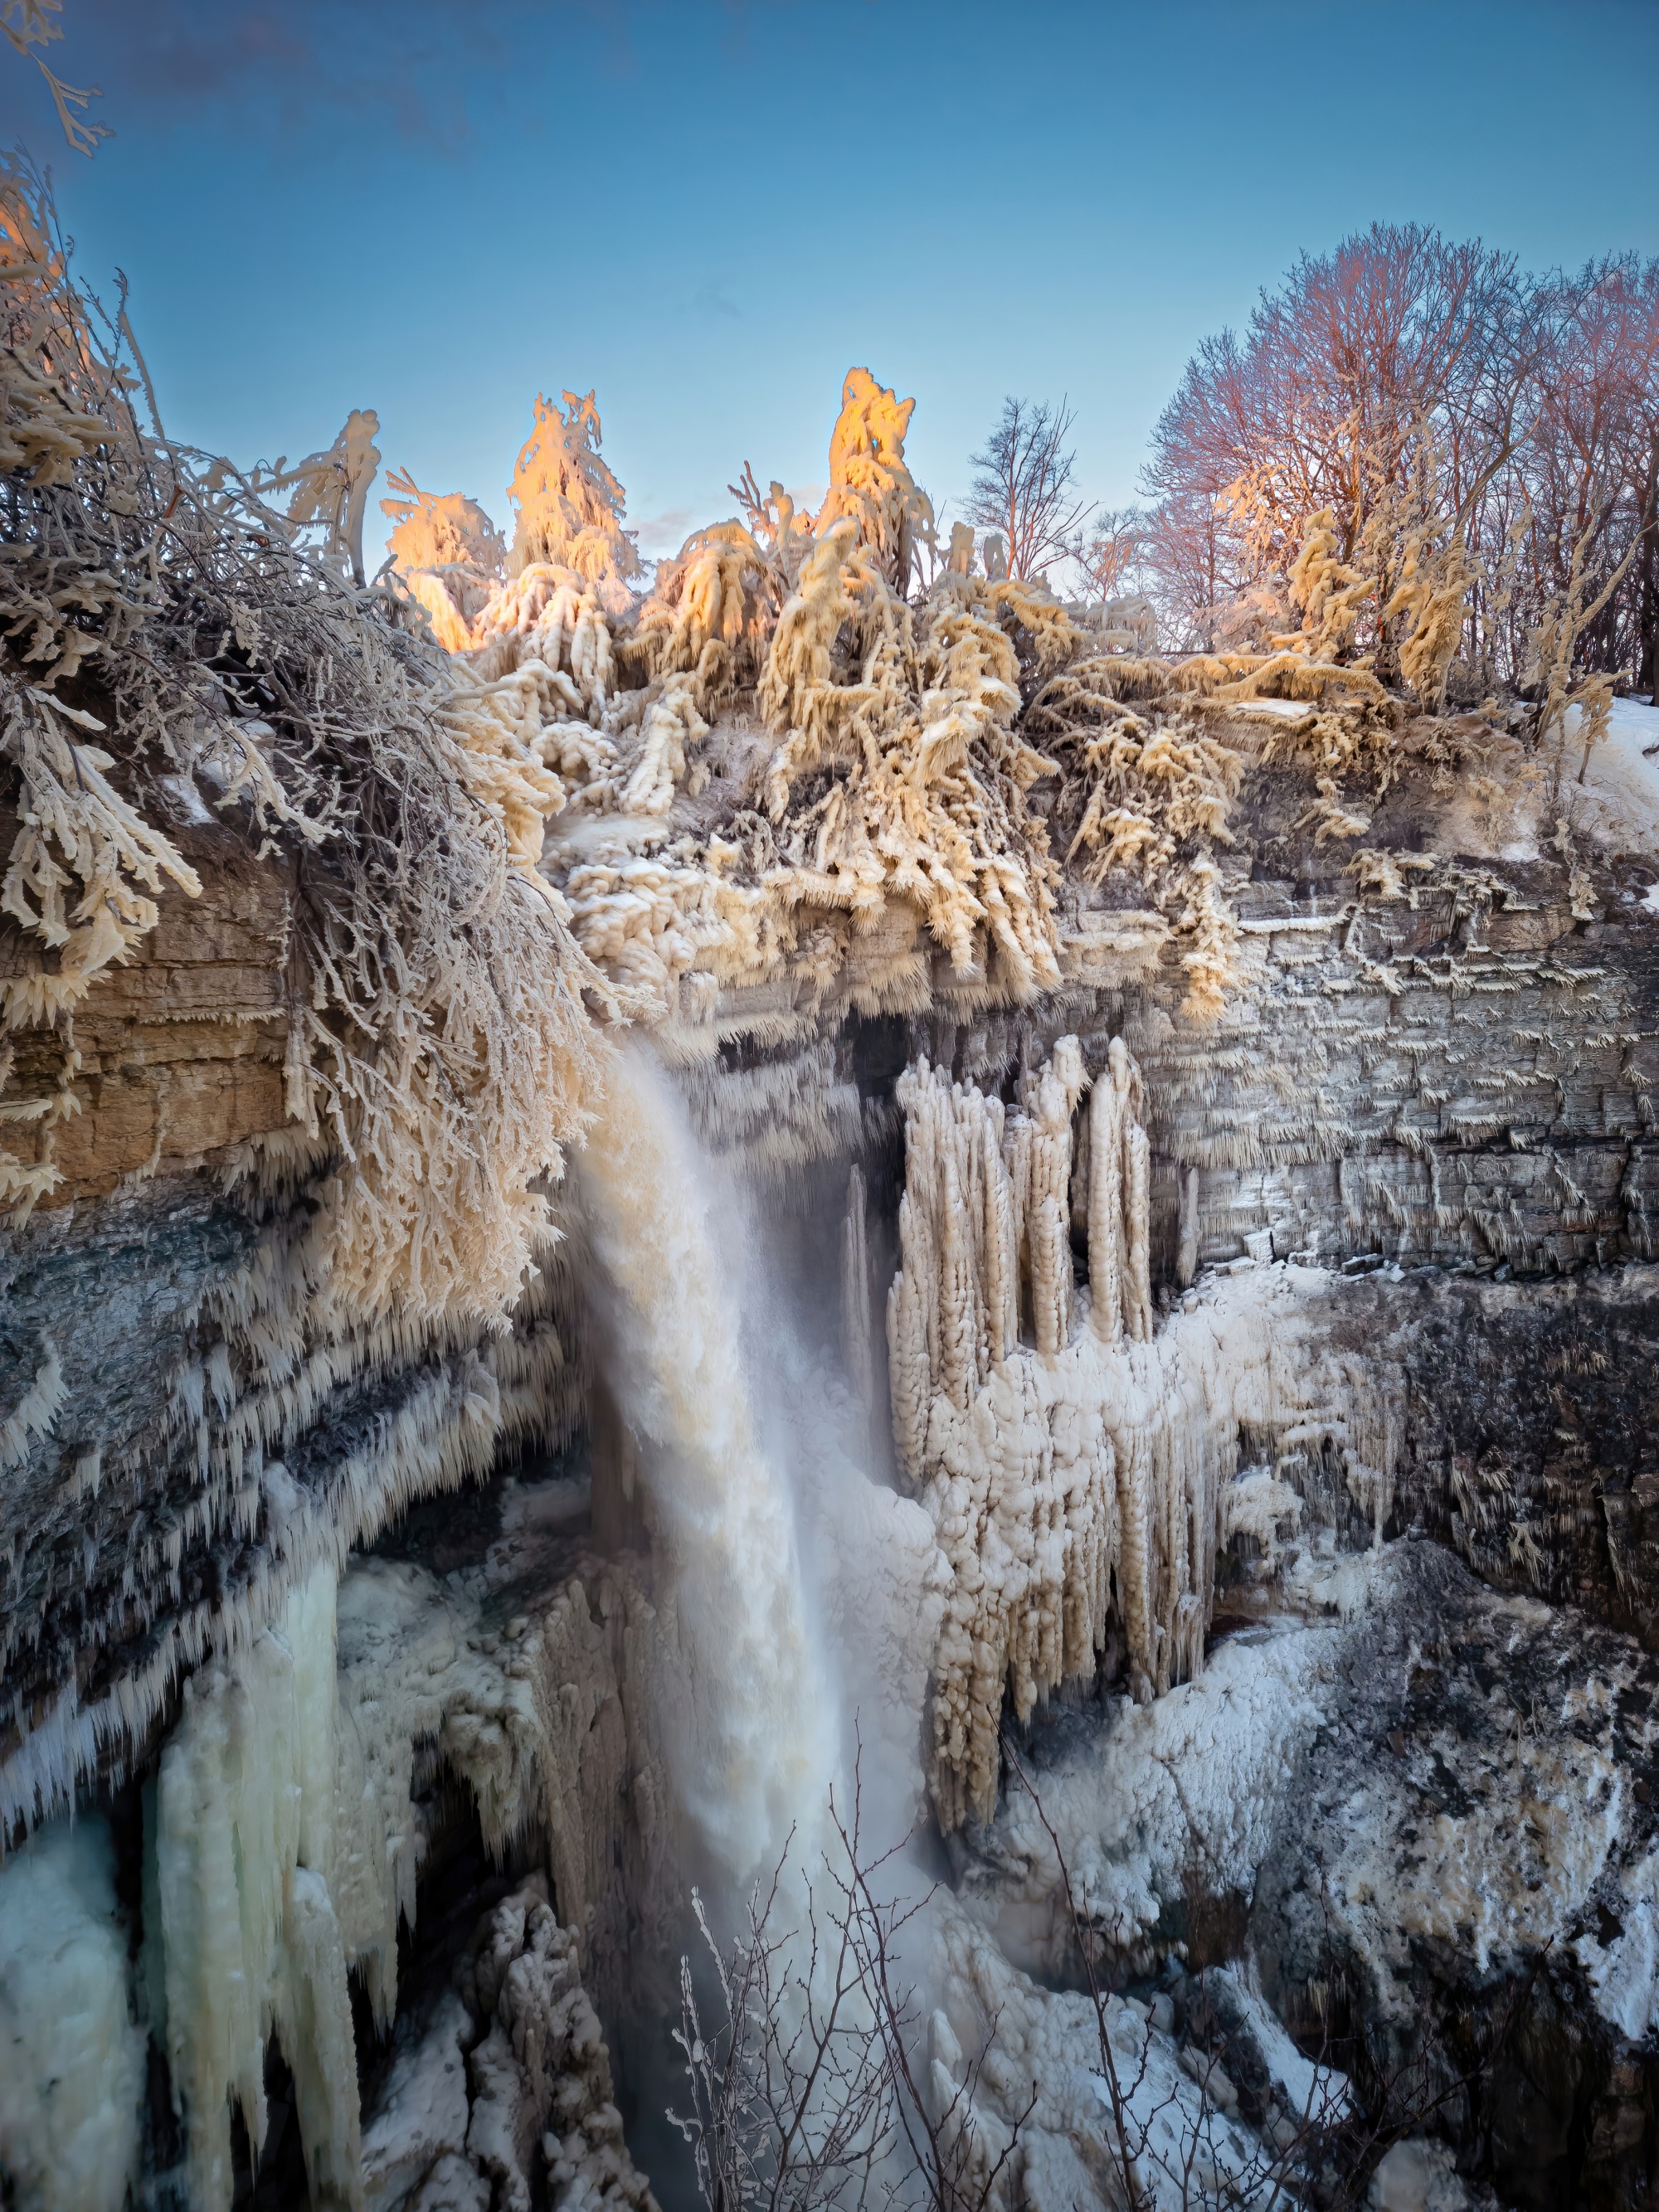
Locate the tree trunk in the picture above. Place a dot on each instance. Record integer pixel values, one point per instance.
(1647, 616)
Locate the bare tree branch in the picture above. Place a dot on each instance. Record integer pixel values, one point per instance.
(1025, 487)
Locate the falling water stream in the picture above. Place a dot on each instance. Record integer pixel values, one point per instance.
(762, 1743)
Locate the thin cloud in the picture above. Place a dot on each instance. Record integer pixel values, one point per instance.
(712, 298)
(664, 533)
(173, 62)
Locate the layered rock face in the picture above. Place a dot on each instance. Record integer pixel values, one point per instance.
(182, 1056)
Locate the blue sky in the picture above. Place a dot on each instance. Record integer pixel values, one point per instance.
(708, 210)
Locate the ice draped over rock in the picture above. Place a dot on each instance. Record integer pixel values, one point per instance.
(72, 2058)
(250, 1941)
(281, 1852)
(344, 925)
(1072, 1464)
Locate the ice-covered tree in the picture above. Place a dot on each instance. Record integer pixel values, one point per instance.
(448, 553)
(568, 504)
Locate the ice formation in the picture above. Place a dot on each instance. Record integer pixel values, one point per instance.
(913, 712)
(264, 1370)
(71, 2059)
(1042, 2070)
(250, 1937)
(568, 504)
(282, 1851)
(1184, 1792)
(542, 2061)
(893, 737)
(437, 1044)
(449, 552)
(1077, 1468)
(600, 932)
(505, 2099)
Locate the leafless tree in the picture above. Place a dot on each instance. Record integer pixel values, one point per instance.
(1026, 485)
(790, 2102)
(1330, 2148)
(1155, 2133)
(1111, 551)
(1591, 467)
(803, 2092)
(956, 2168)
(1318, 404)
(808, 2086)
(1537, 397)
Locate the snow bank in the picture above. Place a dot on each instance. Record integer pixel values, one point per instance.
(1183, 1792)
(1622, 779)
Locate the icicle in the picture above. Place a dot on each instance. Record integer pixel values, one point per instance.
(1017, 1158)
(311, 2009)
(1051, 1274)
(246, 1790)
(35, 1410)
(856, 1293)
(1187, 1250)
(1001, 1244)
(958, 1336)
(1105, 1210)
(1137, 1224)
(910, 1369)
(1135, 1557)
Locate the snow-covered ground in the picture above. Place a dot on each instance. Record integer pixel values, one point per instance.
(1622, 779)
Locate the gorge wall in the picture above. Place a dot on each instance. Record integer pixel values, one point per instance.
(942, 1201)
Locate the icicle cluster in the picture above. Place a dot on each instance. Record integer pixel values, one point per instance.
(1071, 1465)
(984, 1228)
(252, 1942)
(249, 1506)
(283, 1847)
(282, 1844)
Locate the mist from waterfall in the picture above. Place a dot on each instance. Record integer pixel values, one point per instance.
(761, 1748)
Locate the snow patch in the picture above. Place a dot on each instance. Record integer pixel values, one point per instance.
(1307, 2092)
(1622, 778)
(421, 2115)
(1417, 2177)
(1193, 1781)
(1625, 1973)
